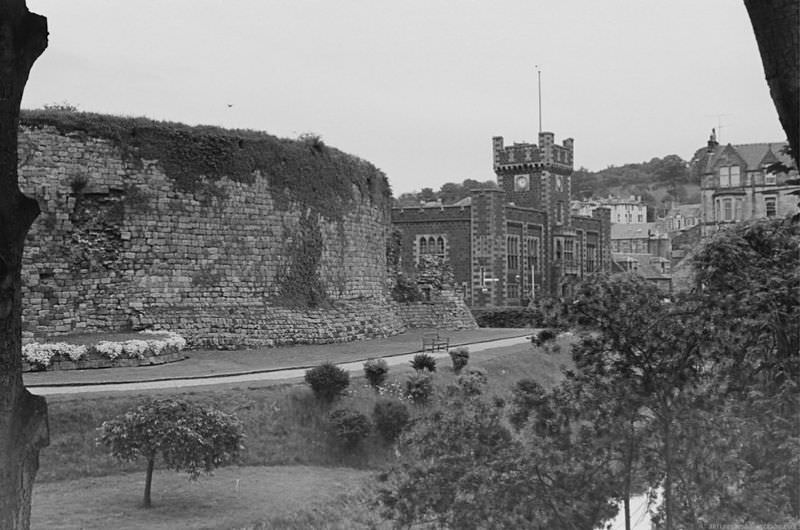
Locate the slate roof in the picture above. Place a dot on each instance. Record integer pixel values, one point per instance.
(647, 269)
(685, 210)
(754, 155)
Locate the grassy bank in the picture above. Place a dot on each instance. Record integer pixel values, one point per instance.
(284, 425)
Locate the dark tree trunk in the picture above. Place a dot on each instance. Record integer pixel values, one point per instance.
(776, 24)
(23, 417)
(148, 481)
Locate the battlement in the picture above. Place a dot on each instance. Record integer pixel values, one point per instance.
(534, 156)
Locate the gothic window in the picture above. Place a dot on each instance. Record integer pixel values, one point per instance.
(432, 245)
(559, 249)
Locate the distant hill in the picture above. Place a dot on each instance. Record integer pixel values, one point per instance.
(659, 182)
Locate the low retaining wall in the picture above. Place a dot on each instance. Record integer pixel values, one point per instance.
(84, 364)
(260, 326)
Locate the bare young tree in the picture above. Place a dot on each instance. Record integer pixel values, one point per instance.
(23, 417)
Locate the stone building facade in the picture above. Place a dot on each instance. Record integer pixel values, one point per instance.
(514, 244)
(736, 186)
(624, 210)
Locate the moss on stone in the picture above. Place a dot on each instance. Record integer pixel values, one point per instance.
(303, 171)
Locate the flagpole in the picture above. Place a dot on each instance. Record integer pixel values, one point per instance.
(539, 77)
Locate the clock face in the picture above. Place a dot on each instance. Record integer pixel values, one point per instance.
(521, 183)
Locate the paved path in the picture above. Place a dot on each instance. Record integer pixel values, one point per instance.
(202, 368)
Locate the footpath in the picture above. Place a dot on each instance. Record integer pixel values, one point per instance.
(281, 363)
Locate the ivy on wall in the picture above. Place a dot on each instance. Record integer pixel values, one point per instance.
(299, 280)
(305, 173)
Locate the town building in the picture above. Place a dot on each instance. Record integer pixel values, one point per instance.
(624, 210)
(519, 242)
(737, 186)
(643, 249)
(682, 217)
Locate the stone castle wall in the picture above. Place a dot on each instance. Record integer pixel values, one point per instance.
(445, 310)
(120, 244)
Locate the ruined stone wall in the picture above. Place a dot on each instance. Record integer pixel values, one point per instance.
(226, 261)
(445, 310)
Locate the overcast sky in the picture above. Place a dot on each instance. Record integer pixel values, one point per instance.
(419, 87)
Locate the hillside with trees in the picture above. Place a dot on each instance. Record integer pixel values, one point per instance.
(659, 182)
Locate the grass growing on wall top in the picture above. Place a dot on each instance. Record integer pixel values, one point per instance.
(303, 171)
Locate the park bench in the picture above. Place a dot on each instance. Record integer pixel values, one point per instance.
(433, 341)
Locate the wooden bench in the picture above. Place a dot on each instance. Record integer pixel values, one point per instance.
(433, 341)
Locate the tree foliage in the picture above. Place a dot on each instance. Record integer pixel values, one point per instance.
(188, 437)
(462, 467)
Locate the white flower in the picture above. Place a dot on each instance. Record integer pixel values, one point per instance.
(43, 354)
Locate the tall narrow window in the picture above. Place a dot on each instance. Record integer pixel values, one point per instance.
(559, 249)
(771, 206)
(724, 177)
(533, 252)
(569, 252)
(727, 209)
(512, 252)
(423, 245)
(735, 177)
(591, 258)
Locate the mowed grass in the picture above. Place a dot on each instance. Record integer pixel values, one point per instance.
(292, 474)
(233, 497)
(284, 424)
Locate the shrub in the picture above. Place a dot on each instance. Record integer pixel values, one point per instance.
(419, 388)
(349, 426)
(406, 289)
(526, 396)
(390, 418)
(189, 437)
(423, 361)
(472, 382)
(544, 336)
(525, 317)
(327, 381)
(460, 358)
(375, 371)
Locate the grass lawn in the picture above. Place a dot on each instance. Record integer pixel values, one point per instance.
(284, 425)
(79, 485)
(233, 497)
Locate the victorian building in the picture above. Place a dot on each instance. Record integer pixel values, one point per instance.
(518, 242)
(736, 184)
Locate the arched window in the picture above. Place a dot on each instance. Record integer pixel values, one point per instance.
(440, 246)
(423, 245)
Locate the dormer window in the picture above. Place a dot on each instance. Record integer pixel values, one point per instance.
(770, 179)
(729, 177)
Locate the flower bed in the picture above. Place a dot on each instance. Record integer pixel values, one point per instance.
(154, 347)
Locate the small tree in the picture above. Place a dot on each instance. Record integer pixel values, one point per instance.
(460, 358)
(189, 437)
(327, 381)
(422, 362)
(376, 371)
